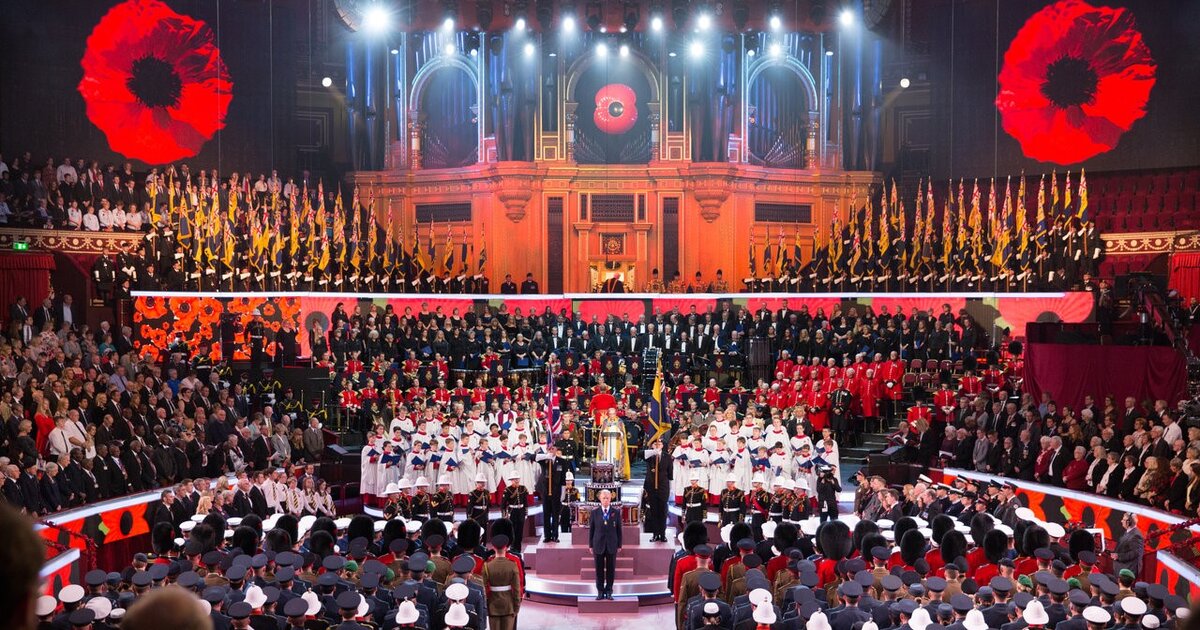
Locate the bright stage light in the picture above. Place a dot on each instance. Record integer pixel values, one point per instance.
(376, 19)
(776, 23)
(520, 25)
(529, 49)
(846, 18)
(624, 50)
(568, 23)
(327, 82)
(704, 22)
(828, 53)
(656, 24)
(448, 24)
(776, 50)
(904, 83)
(449, 49)
(750, 53)
(696, 49)
(601, 50)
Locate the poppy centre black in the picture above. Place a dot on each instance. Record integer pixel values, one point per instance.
(1070, 82)
(616, 108)
(155, 82)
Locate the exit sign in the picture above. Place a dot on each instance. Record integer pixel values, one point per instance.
(20, 246)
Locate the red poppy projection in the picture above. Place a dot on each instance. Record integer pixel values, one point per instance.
(1075, 78)
(154, 82)
(616, 109)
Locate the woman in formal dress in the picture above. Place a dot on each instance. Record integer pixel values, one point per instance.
(612, 445)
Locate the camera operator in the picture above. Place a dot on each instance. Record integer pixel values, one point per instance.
(828, 488)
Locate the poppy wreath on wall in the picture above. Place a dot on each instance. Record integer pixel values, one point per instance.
(1075, 78)
(154, 82)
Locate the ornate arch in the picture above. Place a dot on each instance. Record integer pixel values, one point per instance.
(423, 76)
(585, 62)
(807, 81)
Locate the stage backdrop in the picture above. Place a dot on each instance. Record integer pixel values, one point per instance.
(159, 316)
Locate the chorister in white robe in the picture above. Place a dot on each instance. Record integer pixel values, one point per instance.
(523, 454)
(720, 462)
(781, 465)
(776, 435)
(462, 481)
(369, 469)
(506, 466)
(418, 463)
(697, 464)
(828, 451)
(394, 461)
(679, 471)
(741, 468)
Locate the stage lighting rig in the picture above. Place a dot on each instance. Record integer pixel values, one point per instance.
(543, 12)
(632, 15)
(775, 15)
(449, 14)
(483, 14)
(595, 15)
(679, 13)
(471, 43)
(740, 14)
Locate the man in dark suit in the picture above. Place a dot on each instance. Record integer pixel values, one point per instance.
(604, 534)
(613, 284)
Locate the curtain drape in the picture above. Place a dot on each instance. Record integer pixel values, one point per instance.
(1185, 274)
(1071, 371)
(27, 275)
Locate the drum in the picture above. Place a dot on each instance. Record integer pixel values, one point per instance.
(603, 472)
(631, 514)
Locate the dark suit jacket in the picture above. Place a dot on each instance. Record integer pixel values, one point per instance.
(605, 536)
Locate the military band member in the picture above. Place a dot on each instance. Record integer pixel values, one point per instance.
(779, 500)
(732, 502)
(478, 503)
(442, 501)
(759, 502)
(695, 500)
(515, 505)
(420, 500)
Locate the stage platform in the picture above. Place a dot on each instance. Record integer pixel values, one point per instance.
(563, 573)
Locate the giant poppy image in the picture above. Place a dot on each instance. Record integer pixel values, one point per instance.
(1075, 78)
(616, 109)
(154, 82)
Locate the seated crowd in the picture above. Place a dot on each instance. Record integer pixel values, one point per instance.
(87, 417)
(1139, 453)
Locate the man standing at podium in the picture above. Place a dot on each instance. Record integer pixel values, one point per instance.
(604, 534)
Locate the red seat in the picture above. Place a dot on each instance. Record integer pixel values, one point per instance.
(915, 365)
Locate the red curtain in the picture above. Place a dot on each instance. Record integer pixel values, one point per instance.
(1185, 274)
(27, 275)
(1070, 371)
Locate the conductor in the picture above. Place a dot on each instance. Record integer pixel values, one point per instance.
(604, 532)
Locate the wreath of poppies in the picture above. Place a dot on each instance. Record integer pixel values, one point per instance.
(1075, 78)
(154, 82)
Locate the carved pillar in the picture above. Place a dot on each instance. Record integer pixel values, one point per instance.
(810, 147)
(655, 123)
(570, 131)
(414, 140)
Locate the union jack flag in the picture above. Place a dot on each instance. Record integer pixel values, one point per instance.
(553, 417)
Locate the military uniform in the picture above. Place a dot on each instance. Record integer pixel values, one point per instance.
(478, 503)
(695, 498)
(515, 504)
(442, 505)
(733, 506)
(502, 578)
